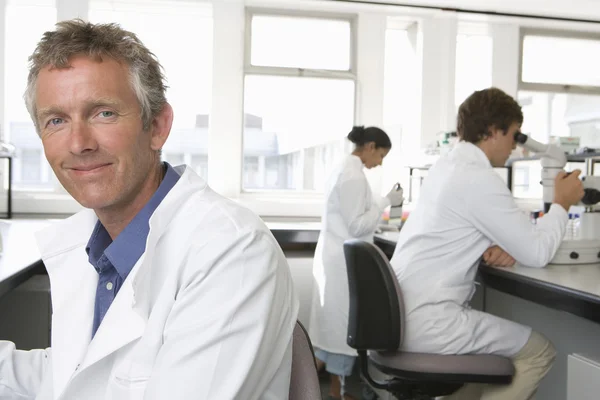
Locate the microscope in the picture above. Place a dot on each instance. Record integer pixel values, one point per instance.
(584, 247)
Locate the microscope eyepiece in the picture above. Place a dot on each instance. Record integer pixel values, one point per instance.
(520, 137)
(591, 196)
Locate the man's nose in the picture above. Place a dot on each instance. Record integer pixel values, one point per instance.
(82, 138)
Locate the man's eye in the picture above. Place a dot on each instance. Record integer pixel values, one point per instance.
(55, 121)
(106, 114)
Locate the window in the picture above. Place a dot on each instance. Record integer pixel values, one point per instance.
(31, 170)
(299, 97)
(558, 98)
(548, 114)
(31, 160)
(561, 60)
(473, 63)
(297, 42)
(180, 34)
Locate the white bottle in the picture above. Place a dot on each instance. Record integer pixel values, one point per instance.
(569, 230)
(576, 223)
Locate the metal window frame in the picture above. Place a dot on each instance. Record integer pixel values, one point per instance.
(554, 87)
(254, 70)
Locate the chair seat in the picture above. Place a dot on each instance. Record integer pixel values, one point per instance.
(472, 368)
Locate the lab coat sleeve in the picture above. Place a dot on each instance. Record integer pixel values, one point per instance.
(495, 213)
(360, 212)
(21, 372)
(230, 329)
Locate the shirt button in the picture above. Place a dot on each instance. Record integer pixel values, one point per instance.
(109, 286)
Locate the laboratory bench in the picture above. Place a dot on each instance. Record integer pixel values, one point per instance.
(295, 235)
(571, 288)
(561, 302)
(19, 257)
(575, 289)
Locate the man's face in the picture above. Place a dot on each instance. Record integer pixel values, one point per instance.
(503, 144)
(92, 133)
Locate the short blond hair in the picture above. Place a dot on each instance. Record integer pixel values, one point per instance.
(98, 41)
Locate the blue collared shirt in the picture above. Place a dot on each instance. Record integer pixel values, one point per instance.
(113, 260)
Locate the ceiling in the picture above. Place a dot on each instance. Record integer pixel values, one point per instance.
(577, 9)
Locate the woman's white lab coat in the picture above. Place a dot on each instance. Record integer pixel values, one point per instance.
(464, 208)
(206, 313)
(351, 211)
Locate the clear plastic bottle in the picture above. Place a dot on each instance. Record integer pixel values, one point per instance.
(576, 223)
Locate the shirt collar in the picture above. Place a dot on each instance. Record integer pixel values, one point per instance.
(129, 246)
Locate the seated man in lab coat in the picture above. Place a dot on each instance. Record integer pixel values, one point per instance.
(465, 210)
(161, 288)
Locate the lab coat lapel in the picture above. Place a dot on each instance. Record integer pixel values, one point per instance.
(121, 325)
(73, 282)
(125, 321)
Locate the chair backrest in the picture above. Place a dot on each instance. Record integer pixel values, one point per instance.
(375, 320)
(304, 383)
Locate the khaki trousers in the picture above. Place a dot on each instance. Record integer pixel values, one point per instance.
(531, 363)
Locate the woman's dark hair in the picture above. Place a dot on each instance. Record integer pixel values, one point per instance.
(359, 135)
(485, 109)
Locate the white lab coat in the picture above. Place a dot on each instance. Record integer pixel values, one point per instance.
(464, 208)
(351, 211)
(206, 313)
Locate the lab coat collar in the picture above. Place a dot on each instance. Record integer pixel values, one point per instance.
(468, 153)
(73, 283)
(355, 161)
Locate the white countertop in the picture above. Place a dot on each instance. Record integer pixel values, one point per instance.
(583, 278)
(19, 249)
(288, 226)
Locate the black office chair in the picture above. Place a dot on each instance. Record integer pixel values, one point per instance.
(376, 324)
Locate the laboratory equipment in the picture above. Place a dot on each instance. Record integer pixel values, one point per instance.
(581, 244)
(396, 211)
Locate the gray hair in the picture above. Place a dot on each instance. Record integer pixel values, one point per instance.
(97, 41)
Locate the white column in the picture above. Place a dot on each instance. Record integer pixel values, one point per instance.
(309, 169)
(70, 9)
(505, 57)
(370, 68)
(262, 171)
(438, 49)
(370, 77)
(226, 115)
(3, 123)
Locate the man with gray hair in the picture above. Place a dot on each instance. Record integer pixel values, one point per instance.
(161, 288)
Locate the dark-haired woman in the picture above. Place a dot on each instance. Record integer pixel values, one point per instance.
(351, 211)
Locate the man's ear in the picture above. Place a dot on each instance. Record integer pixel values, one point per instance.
(494, 132)
(161, 127)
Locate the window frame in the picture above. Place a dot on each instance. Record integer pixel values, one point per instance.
(250, 69)
(255, 70)
(553, 87)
